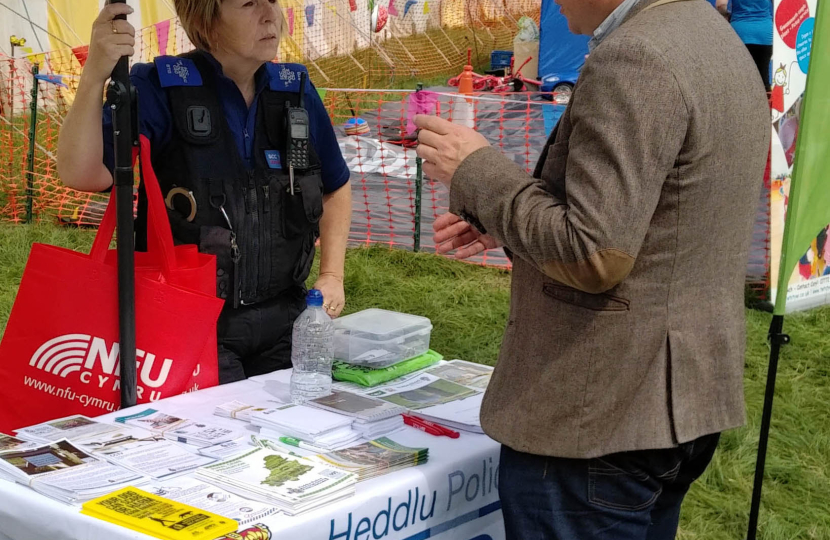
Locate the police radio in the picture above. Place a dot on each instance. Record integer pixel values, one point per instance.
(297, 135)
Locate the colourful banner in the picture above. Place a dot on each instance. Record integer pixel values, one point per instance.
(807, 198)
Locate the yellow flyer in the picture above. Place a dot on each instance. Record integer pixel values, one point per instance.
(156, 516)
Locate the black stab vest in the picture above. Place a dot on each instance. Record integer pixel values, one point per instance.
(265, 245)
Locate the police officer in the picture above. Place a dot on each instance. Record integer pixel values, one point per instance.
(224, 149)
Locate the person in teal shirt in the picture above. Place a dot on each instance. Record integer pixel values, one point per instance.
(752, 21)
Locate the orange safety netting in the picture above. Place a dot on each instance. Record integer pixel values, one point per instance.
(422, 41)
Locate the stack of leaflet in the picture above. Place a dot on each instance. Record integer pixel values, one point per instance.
(374, 458)
(291, 483)
(211, 499)
(372, 417)
(71, 427)
(64, 472)
(200, 434)
(462, 414)
(145, 452)
(320, 428)
(372, 430)
(237, 410)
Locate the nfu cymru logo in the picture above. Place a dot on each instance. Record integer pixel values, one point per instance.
(81, 353)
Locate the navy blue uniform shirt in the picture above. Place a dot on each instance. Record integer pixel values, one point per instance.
(156, 122)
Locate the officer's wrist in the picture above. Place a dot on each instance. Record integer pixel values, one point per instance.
(335, 275)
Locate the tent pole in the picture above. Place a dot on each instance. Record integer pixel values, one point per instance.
(777, 338)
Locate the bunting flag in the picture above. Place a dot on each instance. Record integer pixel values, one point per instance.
(163, 32)
(38, 59)
(54, 79)
(81, 54)
(352, 5)
(408, 6)
(332, 8)
(309, 15)
(426, 7)
(26, 50)
(392, 9)
(290, 21)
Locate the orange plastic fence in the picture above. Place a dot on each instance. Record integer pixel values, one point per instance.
(360, 68)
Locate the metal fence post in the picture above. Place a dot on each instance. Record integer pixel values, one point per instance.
(30, 157)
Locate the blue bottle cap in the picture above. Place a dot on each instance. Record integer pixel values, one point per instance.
(314, 298)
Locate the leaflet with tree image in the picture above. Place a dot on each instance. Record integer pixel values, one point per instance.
(290, 483)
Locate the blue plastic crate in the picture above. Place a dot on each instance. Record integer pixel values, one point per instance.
(500, 59)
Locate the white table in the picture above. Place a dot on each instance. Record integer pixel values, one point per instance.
(456, 490)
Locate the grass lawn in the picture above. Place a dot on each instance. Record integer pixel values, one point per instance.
(468, 306)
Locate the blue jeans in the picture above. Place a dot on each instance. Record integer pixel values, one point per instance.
(626, 496)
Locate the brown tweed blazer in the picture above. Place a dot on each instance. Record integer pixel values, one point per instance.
(630, 242)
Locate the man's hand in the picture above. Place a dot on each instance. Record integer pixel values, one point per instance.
(334, 297)
(443, 146)
(453, 233)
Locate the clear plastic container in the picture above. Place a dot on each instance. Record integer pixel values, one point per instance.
(378, 338)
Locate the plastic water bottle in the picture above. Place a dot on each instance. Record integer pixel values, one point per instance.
(312, 350)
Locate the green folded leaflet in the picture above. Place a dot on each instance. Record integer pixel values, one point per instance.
(366, 376)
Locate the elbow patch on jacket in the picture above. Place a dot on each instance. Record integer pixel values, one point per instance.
(601, 271)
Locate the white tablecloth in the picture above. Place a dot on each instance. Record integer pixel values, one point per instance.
(453, 496)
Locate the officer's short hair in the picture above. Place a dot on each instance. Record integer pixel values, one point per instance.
(199, 19)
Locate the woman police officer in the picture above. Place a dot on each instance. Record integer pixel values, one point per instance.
(217, 122)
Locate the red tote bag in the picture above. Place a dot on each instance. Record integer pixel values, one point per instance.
(60, 352)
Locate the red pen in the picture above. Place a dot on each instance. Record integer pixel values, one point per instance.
(429, 427)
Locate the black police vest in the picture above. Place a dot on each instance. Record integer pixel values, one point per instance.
(262, 234)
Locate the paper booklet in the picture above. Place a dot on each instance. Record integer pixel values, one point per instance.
(63, 471)
(292, 484)
(143, 451)
(434, 393)
(151, 419)
(71, 427)
(180, 430)
(7, 442)
(212, 499)
(463, 373)
(374, 458)
(462, 414)
(354, 405)
(226, 450)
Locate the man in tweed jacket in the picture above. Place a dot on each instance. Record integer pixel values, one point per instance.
(623, 355)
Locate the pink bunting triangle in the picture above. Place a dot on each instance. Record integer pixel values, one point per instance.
(290, 21)
(392, 9)
(163, 32)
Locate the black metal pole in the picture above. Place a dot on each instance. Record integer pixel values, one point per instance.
(777, 338)
(419, 182)
(30, 156)
(120, 97)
